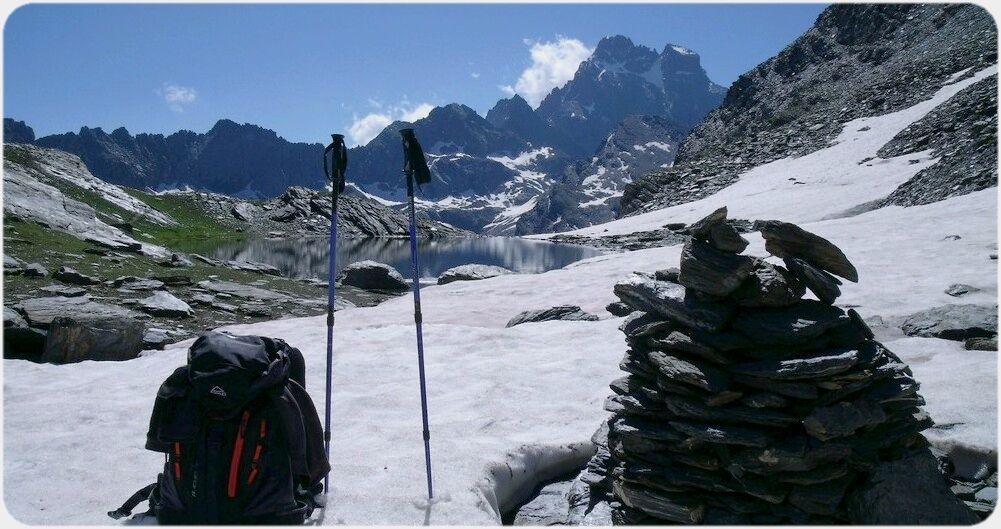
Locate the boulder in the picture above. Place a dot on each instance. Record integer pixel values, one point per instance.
(907, 491)
(251, 266)
(960, 289)
(41, 311)
(471, 272)
(243, 211)
(822, 284)
(12, 318)
(70, 340)
(701, 228)
(954, 322)
(64, 290)
(667, 274)
(23, 343)
(670, 300)
(137, 283)
(981, 344)
(769, 286)
(783, 239)
(12, 265)
(177, 260)
(561, 312)
(35, 270)
(370, 275)
(69, 275)
(712, 271)
(618, 308)
(241, 290)
(163, 303)
(155, 339)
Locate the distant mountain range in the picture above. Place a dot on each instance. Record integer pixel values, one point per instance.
(490, 171)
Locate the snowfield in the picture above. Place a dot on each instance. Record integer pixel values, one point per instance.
(509, 406)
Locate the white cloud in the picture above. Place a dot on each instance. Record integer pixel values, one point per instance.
(367, 127)
(475, 75)
(177, 96)
(418, 112)
(553, 64)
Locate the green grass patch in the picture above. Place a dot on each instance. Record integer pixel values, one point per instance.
(194, 222)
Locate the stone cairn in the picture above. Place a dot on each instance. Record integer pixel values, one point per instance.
(745, 403)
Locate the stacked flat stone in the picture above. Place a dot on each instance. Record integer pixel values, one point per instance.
(745, 402)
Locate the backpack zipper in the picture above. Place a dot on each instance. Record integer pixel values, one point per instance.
(234, 464)
(257, 452)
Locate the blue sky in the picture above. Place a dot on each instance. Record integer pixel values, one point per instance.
(308, 70)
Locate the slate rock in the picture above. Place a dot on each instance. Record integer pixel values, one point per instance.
(137, 283)
(69, 275)
(690, 371)
(792, 454)
(670, 300)
(550, 506)
(725, 237)
(163, 303)
(678, 340)
(35, 270)
(822, 284)
(793, 325)
(70, 340)
(619, 309)
(41, 311)
(667, 274)
(155, 339)
(769, 286)
(733, 414)
(723, 434)
(561, 312)
(907, 491)
(64, 291)
(657, 504)
(954, 322)
(22, 342)
(701, 228)
(818, 365)
(241, 291)
(253, 266)
(12, 318)
(842, 419)
(960, 289)
(823, 498)
(471, 272)
(783, 239)
(370, 275)
(711, 271)
(175, 280)
(254, 309)
(177, 260)
(981, 344)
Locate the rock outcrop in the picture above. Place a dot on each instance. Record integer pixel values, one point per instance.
(560, 312)
(745, 404)
(471, 272)
(370, 275)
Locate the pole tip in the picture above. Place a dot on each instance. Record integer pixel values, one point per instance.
(336, 137)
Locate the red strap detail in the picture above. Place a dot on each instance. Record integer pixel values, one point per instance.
(234, 463)
(257, 452)
(177, 461)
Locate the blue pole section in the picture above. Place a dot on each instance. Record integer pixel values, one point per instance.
(418, 319)
(331, 296)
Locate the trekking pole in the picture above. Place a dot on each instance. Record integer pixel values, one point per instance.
(335, 173)
(415, 168)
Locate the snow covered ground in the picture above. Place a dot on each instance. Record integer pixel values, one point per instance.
(506, 403)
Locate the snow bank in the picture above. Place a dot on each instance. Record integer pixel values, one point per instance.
(823, 184)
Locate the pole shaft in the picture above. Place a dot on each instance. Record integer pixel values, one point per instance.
(418, 319)
(331, 297)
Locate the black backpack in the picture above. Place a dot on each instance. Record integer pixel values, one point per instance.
(242, 440)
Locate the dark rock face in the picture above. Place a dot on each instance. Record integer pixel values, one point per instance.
(514, 114)
(784, 415)
(17, 132)
(561, 312)
(712, 271)
(230, 158)
(963, 132)
(621, 79)
(954, 322)
(822, 284)
(70, 340)
(471, 272)
(588, 191)
(856, 61)
(370, 275)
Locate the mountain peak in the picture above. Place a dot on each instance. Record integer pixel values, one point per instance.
(674, 49)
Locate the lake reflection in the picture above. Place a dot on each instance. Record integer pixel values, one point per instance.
(303, 258)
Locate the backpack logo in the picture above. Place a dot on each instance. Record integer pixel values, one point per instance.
(218, 391)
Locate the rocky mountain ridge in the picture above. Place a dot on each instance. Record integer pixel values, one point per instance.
(856, 61)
